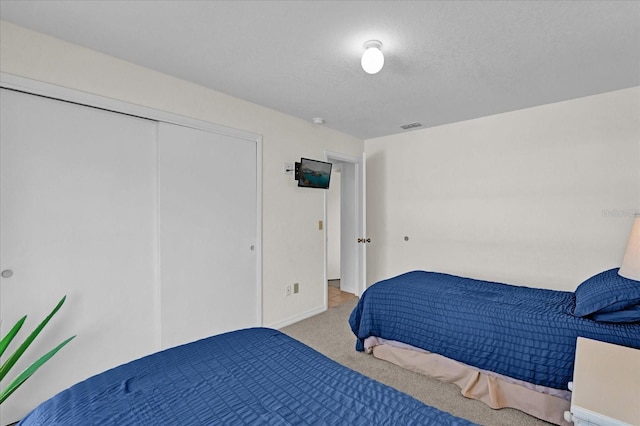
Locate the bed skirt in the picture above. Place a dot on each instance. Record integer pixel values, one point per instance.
(494, 390)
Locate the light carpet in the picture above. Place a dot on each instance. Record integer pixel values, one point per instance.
(329, 333)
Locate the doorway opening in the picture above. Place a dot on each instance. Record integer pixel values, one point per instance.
(344, 218)
(336, 295)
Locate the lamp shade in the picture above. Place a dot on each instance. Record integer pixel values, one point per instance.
(372, 58)
(630, 267)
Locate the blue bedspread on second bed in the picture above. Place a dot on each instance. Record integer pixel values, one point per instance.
(524, 333)
(255, 376)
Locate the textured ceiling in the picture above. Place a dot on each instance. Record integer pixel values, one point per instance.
(445, 61)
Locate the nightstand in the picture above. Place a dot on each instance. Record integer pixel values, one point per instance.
(606, 385)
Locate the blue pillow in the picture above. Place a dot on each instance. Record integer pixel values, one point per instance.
(606, 292)
(631, 314)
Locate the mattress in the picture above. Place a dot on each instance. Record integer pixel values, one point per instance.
(252, 376)
(524, 333)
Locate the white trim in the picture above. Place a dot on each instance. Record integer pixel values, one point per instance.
(14, 82)
(259, 258)
(325, 237)
(325, 251)
(342, 157)
(158, 294)
(280, 324)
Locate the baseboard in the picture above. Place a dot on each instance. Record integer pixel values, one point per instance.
(281, 324)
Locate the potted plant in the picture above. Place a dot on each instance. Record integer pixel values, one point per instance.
(15, 356)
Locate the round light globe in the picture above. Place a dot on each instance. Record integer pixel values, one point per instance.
(372, 58)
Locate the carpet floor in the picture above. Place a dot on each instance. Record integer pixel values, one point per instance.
(329, 334)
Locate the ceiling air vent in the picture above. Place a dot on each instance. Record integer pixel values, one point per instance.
(410, 126)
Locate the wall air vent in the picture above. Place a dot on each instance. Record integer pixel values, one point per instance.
(410, 126)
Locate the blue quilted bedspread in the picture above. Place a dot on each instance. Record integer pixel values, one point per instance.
(255, 376)
(524, 333)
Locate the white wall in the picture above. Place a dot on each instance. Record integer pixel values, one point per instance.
(293, 247)
(540, 197)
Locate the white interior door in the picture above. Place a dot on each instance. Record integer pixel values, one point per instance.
(353, 254)
(350, 229)
(78, 217)
(208, 233)
(362, 214)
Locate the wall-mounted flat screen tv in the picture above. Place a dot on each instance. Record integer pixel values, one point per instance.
(313, 173)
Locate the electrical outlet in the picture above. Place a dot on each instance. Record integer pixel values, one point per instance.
(287, 290)
(296, 288)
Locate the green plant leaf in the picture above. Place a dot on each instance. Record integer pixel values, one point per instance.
(10, 362)
(22, 377)
(6, 340)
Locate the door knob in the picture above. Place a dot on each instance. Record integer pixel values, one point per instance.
(7, 273)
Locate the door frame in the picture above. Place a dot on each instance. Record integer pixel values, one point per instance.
(34, 87)
(356, 204)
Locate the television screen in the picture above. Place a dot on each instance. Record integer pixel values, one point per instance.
(314, 174)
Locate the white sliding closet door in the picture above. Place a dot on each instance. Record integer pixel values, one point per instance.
(78, 217)
(208, 233)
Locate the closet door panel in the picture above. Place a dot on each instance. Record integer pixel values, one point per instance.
(208, 225)
(78, 218)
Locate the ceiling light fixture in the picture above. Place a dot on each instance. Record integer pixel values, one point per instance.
(372, 58)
